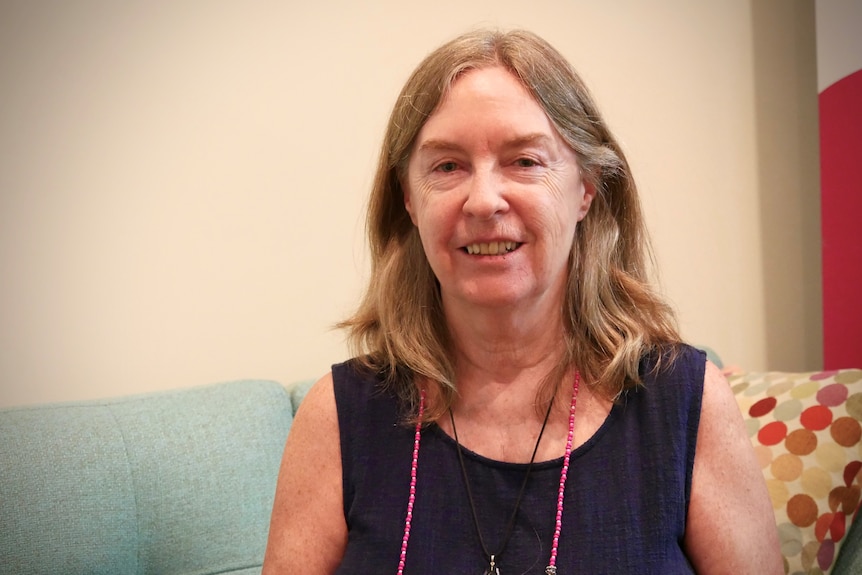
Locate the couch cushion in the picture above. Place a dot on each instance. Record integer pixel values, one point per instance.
(67, 503)
(177, 482)
(806, 432)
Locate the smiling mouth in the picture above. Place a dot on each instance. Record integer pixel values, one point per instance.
(491, 248)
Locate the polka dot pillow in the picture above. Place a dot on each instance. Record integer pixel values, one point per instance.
(806, 430)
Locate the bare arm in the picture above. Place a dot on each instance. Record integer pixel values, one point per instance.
(731, 525)
(307, 532)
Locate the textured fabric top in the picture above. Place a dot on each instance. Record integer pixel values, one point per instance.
(625, 504)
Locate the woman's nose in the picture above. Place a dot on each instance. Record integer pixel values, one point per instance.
(485, 195)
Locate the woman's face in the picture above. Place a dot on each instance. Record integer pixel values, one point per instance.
(495, 194)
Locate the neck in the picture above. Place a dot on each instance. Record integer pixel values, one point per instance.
(501, 360)
(500, 346)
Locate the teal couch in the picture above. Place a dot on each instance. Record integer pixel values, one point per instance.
(177, 482)
(182, 482)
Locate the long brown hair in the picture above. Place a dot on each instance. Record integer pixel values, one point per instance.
(611, 315)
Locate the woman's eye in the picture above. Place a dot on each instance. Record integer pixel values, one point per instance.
(525, 163)
(447, 167)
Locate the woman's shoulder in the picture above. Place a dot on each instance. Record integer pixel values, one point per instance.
(679, 362)
(355, 367)
(361, 393)
(673, 385)
(356, 377)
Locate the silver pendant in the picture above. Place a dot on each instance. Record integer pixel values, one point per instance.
(492, 567)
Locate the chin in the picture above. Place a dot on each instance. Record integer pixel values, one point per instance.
(489, 297)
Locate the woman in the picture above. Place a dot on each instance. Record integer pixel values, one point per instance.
(521, 402)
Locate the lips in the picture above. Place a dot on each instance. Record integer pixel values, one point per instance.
(491, 248)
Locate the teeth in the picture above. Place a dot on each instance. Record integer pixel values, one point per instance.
(492, 248)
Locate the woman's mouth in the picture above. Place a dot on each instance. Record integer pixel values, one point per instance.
(491, 248)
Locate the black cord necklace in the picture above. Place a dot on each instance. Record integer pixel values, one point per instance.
(493, 558)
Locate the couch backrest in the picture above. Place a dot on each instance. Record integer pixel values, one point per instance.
(178, 482)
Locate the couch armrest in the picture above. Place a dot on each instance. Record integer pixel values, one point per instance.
(849, 560)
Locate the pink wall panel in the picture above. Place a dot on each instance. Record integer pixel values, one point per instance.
(841, 209)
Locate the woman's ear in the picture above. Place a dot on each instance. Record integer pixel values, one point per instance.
(588, 190)
(408, 201)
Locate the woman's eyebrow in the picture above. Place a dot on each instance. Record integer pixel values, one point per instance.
(535, 139)
(439, 146)
(532, 139)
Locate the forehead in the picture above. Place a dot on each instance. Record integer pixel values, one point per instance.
(487, 102)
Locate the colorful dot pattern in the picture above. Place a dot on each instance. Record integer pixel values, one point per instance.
(806, 430)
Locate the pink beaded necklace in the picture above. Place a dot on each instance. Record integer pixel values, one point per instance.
(551, 569)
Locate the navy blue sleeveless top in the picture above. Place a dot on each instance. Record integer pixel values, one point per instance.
(626, 496)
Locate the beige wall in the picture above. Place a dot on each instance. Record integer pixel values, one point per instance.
(839, 43)
(182, 183)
